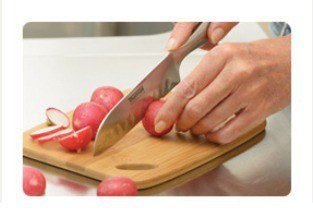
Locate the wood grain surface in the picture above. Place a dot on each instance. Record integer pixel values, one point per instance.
(148, 160)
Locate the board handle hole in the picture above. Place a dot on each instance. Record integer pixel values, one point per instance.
(136, 166)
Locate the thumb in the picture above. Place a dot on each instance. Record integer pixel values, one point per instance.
(218, 30)
(180, 34)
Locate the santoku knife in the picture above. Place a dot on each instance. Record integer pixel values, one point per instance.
(159, 82)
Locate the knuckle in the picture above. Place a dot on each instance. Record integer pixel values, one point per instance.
(242, 70)
(228, 79)
(250, 67)
(246, 68)
(208, 123)
(216, 115)
(223, 138)
(193, 111)
(228, 49)
(241, 73)
(186, 90)
(237, 76)
(204, 126)
(225, 85)
(208, 127)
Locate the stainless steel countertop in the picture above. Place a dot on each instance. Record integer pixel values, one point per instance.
(59, 68)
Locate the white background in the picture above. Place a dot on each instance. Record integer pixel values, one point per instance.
(17, 13)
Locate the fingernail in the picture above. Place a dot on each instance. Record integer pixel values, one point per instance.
(160, 126)
(217, 35)
(170, 44)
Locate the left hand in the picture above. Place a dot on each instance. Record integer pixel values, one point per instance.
(249, 80)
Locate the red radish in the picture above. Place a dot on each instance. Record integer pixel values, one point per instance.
(149, 119)
(107, 96)
(57, 117)
(46, 131)
(89, 114)
(34, 182)
(77, 140)
(55, 136)
(140, 107)
(117, 186)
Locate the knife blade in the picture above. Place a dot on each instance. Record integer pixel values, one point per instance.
(159, 82)
(131, 109)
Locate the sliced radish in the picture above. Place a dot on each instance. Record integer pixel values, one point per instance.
(57, 117)
(89, 114)
(46, 131)
(77, 140)
(55, 136)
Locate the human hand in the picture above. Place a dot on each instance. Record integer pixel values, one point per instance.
(183, 30)
(249, 80)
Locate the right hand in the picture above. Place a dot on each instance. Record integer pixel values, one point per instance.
(183, 30)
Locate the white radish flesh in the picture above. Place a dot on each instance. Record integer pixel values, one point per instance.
(55, 136)
(46, 131)
(57, 117)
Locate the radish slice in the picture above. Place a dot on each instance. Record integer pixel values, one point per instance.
(77, 140)
(55, 136)
(57, 117)
(46, 131)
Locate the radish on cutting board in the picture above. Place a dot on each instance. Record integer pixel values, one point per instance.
(107, 96)
(89, 114)
(117, 186)
(77, 141)
(34, 182)
(55, 136)
(46, 131)
(149, 119)
(140, 107)
(57, 117)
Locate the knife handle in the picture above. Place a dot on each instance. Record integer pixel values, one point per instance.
(198, 38)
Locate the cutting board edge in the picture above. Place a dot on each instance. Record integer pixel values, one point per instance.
(203, 169)
(166, 177)
(148, 183)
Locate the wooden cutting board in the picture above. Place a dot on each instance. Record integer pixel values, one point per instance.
(200, 173)
(147, 160)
